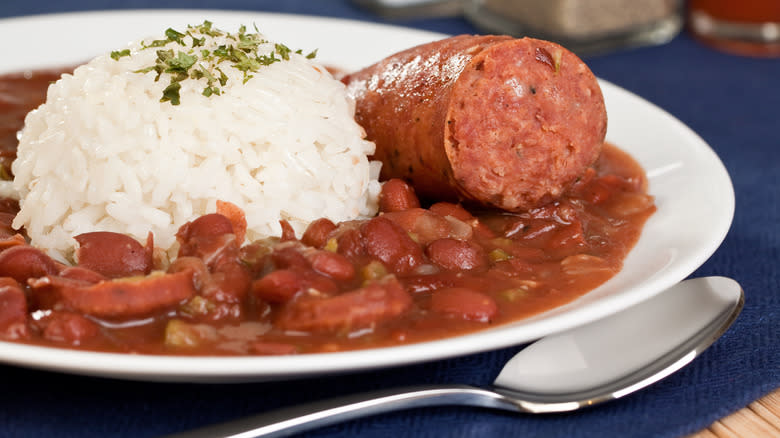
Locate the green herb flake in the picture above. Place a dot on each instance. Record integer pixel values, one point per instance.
(145, 70)
(174, 35)
(181, 63)
(222, 52)
(199, 42)
(157, 43)
(267, 59)
(283, 51)
(202, 73)
(208, 91)
(163, 56)
(171, 93)
(222, 77)
(207, 29)
(116, 54)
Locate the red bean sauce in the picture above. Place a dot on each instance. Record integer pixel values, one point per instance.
(415, 272)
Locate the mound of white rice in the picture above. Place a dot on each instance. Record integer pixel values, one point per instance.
(104, 153)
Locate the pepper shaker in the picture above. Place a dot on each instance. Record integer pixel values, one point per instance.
(583, 26)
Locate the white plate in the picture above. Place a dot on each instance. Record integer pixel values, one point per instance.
(693, 193)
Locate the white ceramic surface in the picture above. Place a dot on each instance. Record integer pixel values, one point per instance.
(693, 192)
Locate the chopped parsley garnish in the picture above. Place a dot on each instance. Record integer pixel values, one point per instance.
(116, 54)
(171, 93)
(193, 61)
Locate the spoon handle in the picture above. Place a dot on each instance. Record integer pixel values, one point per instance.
(295, 419)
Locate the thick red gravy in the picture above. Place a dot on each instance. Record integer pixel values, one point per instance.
(413, 273)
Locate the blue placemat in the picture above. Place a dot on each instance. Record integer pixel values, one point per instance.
(732, 102)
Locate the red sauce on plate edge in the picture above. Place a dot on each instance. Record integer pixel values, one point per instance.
(453, 272)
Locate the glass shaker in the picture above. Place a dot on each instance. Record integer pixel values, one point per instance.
(583, 26)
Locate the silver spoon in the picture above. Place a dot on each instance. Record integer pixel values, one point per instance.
(585, 366)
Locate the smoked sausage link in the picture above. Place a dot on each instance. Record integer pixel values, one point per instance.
(509, 123)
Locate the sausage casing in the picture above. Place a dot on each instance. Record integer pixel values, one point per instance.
(508, 123)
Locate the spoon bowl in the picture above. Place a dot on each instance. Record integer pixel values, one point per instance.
(601, 361)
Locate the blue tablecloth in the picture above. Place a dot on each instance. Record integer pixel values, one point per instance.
(732, 102)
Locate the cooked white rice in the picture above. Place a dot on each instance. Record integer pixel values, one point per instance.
(103, 153)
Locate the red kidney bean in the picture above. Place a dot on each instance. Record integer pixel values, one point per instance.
(6, 221)
(113, 254)
(318, 232)
(282, 285)
(210, 249)
(218, 250)
(232, 277)
(424, 225)
(23, 262)
(8, 236)
(208, 237)
(390, 244)
(457, 211)
(364, 307)
(350, 244)
(213, 224)
(334, 265)
(13, 310)
(289, 256)
(626, 204)
(9, 205)
(450, 209)
(69, 328)
(318, 283)
(397, 195)
(14, 240)
(457, 255)
(228, 283)
(278, 286)
(464, 303)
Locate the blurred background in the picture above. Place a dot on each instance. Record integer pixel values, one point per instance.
(746, 27)
(588, 27)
